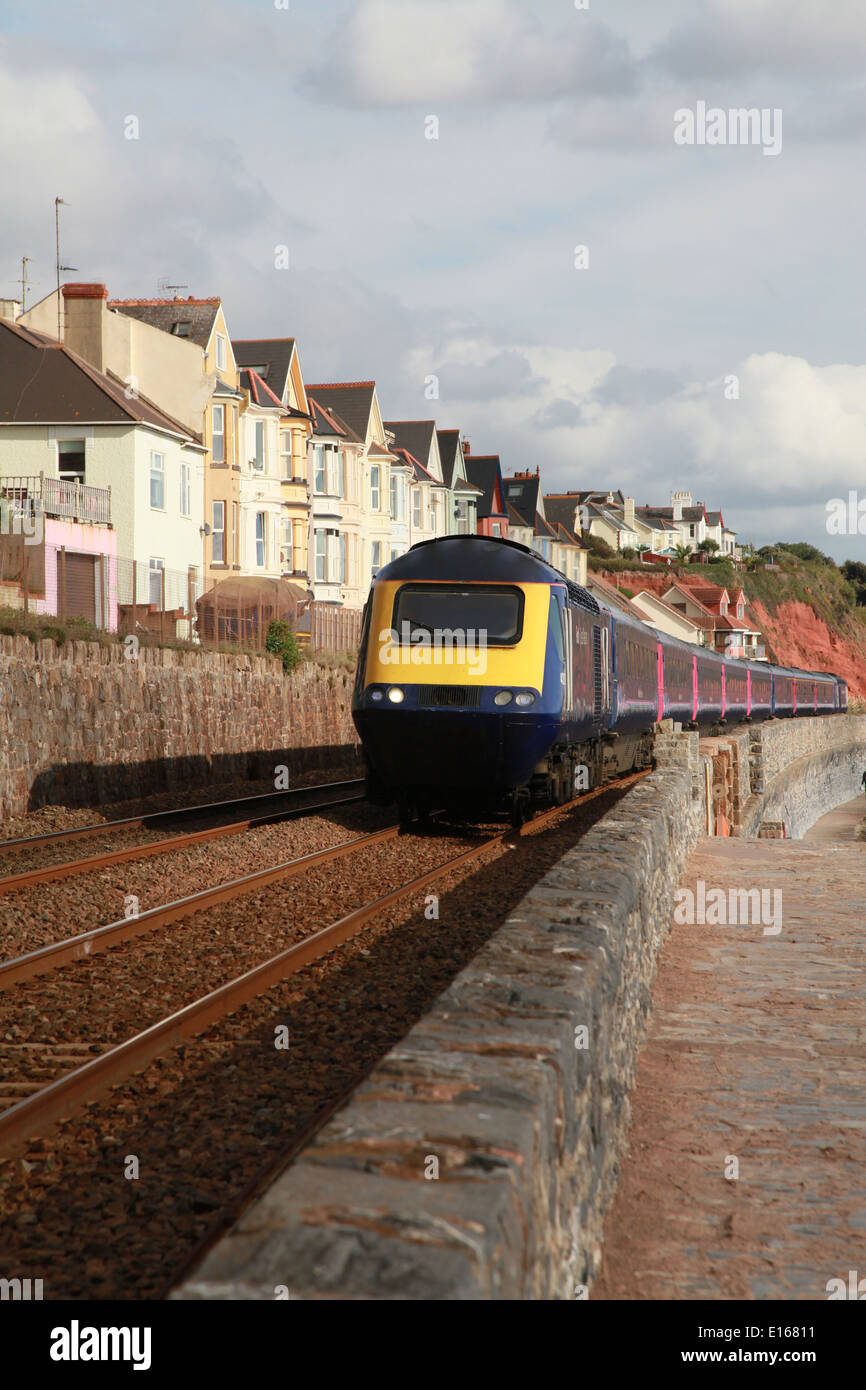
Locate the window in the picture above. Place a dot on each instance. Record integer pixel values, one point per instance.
(462, 510)
(184, 489)
(739, 610)
(496, 609)
(218, 448)
(157, 481)
(319, 468)
(155, 578)
(497, 528)
(374, 490)
(394, 496)
(321, 538)
(286, 542)
(218, 528)
(261, 540)
(376, 554)
(342, 554)
(220, 352)
(182, 328)
(339, 473)
(433, 514)
(285, 453)
(416, 507)
(259, 457)
(235, 556)
(70, 460)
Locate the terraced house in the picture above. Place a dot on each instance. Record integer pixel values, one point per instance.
(276, 364)
(357, 404)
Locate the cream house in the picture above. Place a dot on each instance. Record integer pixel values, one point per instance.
(117, 461)
(357, 404)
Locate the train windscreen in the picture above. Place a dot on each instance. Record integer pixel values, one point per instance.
(493, 609)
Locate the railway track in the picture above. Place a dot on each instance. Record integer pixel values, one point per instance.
(36, 1113)
(10, 883)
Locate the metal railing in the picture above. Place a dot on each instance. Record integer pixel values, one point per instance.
(30, 495)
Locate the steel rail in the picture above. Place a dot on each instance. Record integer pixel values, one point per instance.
(55, 837)
(70, 868)
(47, 958)
(39, 1112)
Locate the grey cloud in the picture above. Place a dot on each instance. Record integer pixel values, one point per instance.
(504, 374)
(559, 414)
(637, 386)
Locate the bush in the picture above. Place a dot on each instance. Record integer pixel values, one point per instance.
(283, 643)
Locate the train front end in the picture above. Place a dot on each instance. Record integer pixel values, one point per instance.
(459, 690)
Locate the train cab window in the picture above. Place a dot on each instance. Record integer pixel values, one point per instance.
(493, 609)
(556, 628)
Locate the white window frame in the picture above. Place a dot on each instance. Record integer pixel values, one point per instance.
(185, 500)
(261, 540)
(157, 475)
(320, 555)
(285, 453)
(416, 508)
(218, 413)
(218, 528)
(320, 470)
(375, 488)
(221, 353)
(375, 556)
(155, 568)
(260, 436)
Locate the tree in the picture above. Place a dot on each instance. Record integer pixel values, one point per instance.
(682, 552)
(855, 573)
(708, 547)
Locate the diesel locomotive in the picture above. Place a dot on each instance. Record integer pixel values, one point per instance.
(489, 681)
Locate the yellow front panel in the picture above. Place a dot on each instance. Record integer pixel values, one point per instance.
(522, 664)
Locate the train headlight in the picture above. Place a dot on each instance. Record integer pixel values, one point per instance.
(396, 695)
(525, 698)
(504, 697)
(375, 694)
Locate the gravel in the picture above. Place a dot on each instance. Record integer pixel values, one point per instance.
(204, 1119)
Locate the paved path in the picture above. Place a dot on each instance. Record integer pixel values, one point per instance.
(756, 1053)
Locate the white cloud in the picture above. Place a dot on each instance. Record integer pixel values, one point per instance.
(397, 52)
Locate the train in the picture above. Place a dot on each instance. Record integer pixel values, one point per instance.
(489, 681)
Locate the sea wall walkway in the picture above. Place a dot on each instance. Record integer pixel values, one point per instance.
(746, 1174)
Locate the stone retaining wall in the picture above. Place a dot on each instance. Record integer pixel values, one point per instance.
(83, 725)
(525, 1116)
(785, 773)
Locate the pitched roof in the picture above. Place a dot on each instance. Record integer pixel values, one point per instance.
(270, 357)
(590, 495)
(449, 442)
(561, 510)
(191, 318)
(329, 422)
(42, 381)
(514, 515)
(352, 399)
(260, 392)
(688, 514)
(483, 470)
(677, 612)
(414, 435)
(420, 473)
(523, 494)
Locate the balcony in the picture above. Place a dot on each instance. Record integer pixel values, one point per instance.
(30, 495)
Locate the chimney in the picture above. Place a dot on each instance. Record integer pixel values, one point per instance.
(466, 448)
(10, 309)
(628, 513)
(84, 308)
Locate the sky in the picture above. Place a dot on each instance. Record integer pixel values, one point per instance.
(497, 200)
